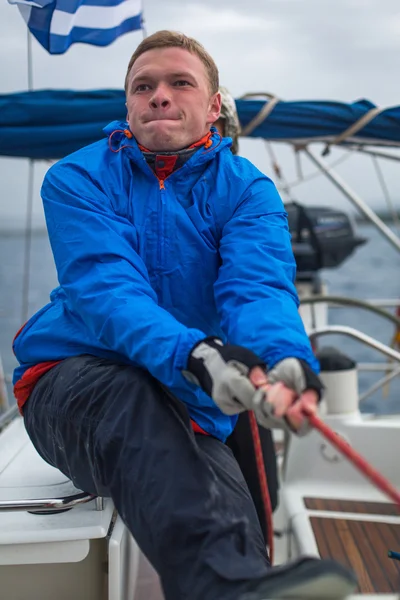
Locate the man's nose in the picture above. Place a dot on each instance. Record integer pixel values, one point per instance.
(161, 97)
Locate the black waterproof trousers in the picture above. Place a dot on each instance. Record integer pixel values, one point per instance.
(114, 431)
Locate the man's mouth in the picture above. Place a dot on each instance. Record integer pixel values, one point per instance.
(155, 119)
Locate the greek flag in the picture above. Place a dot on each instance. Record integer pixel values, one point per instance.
(57, 24)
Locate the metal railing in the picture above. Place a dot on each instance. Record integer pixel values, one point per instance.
(48, 505)
(374, 306)
(391, 370)
(379, 384)
(358, 335)
(344, 301)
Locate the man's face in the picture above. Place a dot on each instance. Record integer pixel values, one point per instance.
(168, 99)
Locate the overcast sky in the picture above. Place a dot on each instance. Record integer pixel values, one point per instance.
(297, 49)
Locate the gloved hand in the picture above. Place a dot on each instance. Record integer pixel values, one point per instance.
(222, 370)
(296, 376)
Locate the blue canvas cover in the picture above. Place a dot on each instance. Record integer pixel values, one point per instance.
(49, 124)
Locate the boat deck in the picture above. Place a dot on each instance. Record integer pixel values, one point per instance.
(361, 544)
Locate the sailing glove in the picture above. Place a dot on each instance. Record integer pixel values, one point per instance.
(221, 370)
(296, 375)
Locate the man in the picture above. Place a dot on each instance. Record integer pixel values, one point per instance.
(175, 293)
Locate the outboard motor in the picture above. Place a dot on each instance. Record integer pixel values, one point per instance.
(322, 238)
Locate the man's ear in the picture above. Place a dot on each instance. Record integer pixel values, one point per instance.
(127, 112)
(214, 108)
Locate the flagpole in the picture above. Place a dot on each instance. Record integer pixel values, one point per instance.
(29, 203)
(143, 24)
(29, 60)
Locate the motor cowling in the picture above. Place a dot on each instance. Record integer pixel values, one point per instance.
(322, 238)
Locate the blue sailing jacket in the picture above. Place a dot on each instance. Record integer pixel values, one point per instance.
(147, 268)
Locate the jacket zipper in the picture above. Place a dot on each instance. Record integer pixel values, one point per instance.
(160, 254)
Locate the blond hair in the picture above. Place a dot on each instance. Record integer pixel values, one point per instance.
(174, 39)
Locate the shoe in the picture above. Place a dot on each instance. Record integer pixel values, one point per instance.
(305, 578)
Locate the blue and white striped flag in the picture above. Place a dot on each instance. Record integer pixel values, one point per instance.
(57, 24)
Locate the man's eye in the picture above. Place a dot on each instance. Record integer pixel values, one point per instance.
(181, 83)
(142, 87)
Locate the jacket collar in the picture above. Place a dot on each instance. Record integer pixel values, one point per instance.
(120, 139)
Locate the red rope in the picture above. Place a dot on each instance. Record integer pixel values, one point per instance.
(262, 476)
(358, 461)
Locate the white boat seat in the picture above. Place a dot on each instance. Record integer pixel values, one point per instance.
(25, 479)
